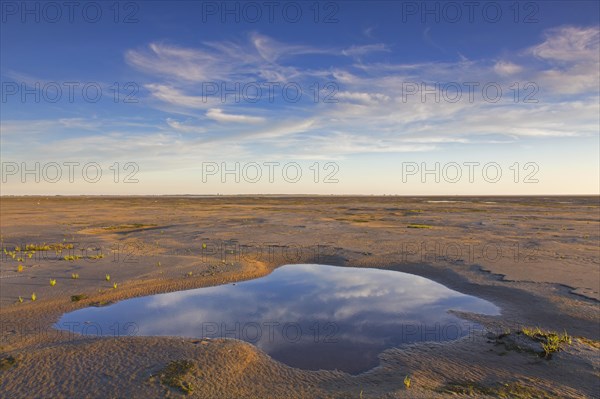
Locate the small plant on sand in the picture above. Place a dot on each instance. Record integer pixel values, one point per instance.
(20, 268)
(190, 274)
(158, 264)
(407, 382)
(74, 276)
(78, 297)
(203, 246)
(107, 277)
(551, 341)
(551, 345)
(176, 373)
(20, 300)
(115, 286)
(52, 282)
(33, 297)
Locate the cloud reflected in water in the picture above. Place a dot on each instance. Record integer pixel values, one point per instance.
(307, 316)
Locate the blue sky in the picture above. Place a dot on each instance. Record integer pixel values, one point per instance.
(364, 92)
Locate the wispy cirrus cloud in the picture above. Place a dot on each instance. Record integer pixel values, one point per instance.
(358, 50)
(372, 112)
(571, 57)
(217, 114)
(372, 96)
(569, 44)
(507, 68)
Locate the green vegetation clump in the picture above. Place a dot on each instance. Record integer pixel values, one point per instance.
(535, 340)
(175, 375)
(78, 297)
(46, 247)
(551, 341)
(21, 253)
(77, 257)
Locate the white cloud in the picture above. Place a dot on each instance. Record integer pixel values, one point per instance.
(367, 98)
(365, 49)
(173, 61)
(172, 95)
(507, 68)
(573, 57)
(259, 57)
(570, 44)
(371, 115)
(218, 115)
(283, 128)
(272, 50)
(183, 127)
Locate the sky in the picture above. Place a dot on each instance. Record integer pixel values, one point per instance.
(300, 97)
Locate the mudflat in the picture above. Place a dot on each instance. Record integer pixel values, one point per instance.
(537, 258)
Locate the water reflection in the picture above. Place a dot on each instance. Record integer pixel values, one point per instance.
(308, 316)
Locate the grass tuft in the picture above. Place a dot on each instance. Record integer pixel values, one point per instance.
(78, 297)
(176, 374)
(551, 341)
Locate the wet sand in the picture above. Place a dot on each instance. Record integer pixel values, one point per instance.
(535, 257)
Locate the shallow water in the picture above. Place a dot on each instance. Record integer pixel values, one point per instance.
(307, 316)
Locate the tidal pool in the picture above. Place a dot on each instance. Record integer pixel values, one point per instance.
(307, 316)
